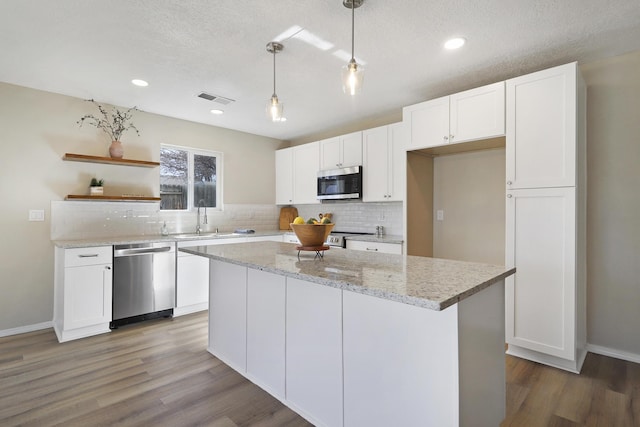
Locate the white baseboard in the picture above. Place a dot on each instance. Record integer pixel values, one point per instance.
(25, 329)
(181, 311)
(617, 354)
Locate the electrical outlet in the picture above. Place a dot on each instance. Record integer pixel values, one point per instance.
(36, 215)
(440, 215)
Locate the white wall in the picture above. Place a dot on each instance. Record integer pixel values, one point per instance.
(37, 128)
(613, 203)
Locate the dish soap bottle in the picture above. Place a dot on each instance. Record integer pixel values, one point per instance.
(164, 230)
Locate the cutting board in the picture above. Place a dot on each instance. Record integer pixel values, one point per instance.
(287, 215)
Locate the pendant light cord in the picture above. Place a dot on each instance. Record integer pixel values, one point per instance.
(274, 72)
(353, 24)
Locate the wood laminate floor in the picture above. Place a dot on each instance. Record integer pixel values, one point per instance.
(158, 373)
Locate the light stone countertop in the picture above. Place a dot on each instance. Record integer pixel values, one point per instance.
(126, 240)
(424, 282)
(373, 238)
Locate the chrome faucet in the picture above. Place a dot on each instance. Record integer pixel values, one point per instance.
(201, 203)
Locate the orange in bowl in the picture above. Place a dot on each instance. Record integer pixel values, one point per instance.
(312, 234)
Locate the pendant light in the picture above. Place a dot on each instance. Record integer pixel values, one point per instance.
(352, 73)
(274, 106)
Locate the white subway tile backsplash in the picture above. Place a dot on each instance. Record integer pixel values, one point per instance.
(82, 220)
(358, 216)
(72, 220)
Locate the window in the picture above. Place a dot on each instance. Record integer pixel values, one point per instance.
(189, 177)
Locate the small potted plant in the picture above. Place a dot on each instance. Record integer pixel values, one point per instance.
(95, 187)
(113, 123)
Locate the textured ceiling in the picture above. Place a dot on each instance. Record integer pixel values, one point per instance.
(93, 48)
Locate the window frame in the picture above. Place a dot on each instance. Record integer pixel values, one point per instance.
(191, 152)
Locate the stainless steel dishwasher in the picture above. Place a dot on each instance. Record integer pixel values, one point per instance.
(144, 282)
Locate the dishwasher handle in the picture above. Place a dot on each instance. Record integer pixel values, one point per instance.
(140, 251)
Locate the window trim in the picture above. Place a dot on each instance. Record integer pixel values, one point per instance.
(191, 204)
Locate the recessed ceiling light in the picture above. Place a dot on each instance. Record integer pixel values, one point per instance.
(139, 82)
(217, 112)
(455, 43)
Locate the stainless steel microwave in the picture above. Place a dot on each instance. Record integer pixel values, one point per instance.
(345, 183)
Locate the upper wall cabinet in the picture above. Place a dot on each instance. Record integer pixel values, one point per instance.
(466, 116)
(305, 173)
(297, 174)
(541, 129)
(341, 151)
(383, 151)
(284, 176)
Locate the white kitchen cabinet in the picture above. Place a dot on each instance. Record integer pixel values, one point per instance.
(305, 173)
(541, 298)
(314, 351)
(477, 113)
(192, 276)
(466, 116)
(428, 122)
(284, 176)
(266, 294)
(297, 174)
(290, 238)
(409, 366)
(546, 218)
(384, 247)
(542, 128)
(82, 291)
(228, 313)
(341, 151)
(383, 156)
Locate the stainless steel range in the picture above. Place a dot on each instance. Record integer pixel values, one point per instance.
(337, 238)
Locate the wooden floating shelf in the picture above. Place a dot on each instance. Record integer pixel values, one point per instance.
(113, 198)
(109, 160)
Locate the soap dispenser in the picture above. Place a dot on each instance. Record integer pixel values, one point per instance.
(164, 230)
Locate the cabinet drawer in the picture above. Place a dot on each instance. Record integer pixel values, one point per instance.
(78, 257)
(387, 248)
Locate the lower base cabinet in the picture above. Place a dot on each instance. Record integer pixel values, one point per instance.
(266, 295)
(340, 358)
(228, 314)
(314, 351)
(82, 292)
(383, 247)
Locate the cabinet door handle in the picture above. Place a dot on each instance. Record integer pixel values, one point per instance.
(88, 256)
(509, 196)
(107, 268)
(508, 182)
(451, 136)
(446, 138)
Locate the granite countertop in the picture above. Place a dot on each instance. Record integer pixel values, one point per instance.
(425, 282)
(125, 240)
(373, 238)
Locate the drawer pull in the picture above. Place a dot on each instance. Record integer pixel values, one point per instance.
(372, 249)
(88, 256)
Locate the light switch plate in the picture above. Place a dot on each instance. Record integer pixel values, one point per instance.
(440, 215)
(36, 215)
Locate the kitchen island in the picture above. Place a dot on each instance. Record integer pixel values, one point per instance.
(358, 338)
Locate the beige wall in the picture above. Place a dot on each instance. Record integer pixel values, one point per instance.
(469, 188)
(37, 128)
(613, 202)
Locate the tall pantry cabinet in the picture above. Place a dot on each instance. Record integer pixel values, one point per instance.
(546, 217)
